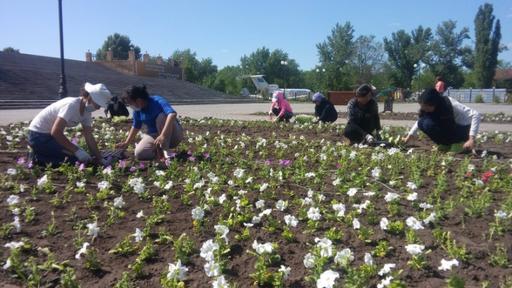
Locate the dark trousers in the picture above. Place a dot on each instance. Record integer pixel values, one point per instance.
(442, 135)
(46, 150)
(355, 132)
(286, 117)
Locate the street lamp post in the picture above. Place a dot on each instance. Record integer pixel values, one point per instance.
(63, 91)
(284, 62)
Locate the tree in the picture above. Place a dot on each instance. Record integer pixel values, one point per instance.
(447, 54)
(120, 45)
(197, 71)
(267, 63)
(228, 80)
(335, 55)
(368, 59)
(10, 50)
(487, 45)
(405, 51)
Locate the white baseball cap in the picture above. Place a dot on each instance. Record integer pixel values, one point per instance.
(99, 93)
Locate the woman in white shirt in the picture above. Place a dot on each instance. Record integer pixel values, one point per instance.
(447, 122)
(46, 132)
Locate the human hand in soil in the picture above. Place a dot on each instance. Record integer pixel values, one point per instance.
(122, 145)
(159, 141)
(470, 144)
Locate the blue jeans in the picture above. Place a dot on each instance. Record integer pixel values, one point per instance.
(46, 150)
(441, 135)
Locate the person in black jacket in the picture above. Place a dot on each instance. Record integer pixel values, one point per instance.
(324, 109)
(363, 117)
(116, 108)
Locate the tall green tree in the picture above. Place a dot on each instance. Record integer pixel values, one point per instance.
(120, 45)
(197, 71)
(335, 55)
(368, 59)
(405, 51)
(228, 80)
(446, 57)
(487, 45)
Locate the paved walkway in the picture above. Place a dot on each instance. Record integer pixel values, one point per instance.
(247, 111)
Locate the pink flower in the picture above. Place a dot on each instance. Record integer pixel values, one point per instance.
(285, 162)
(141, 165)
(121, 164)
(268, 162)
(338, 165)
(206, 155)
(21, 161)
(192, 158)
(74, 140)
(133, 169)
(487, 175)
(81, 167)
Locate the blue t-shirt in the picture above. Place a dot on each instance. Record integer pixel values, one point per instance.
(147, 115)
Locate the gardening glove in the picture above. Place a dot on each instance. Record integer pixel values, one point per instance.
(82, 156)
(377, 136)
(369, 139)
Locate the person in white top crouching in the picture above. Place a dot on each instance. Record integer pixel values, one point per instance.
(46, 131)
(448, 123)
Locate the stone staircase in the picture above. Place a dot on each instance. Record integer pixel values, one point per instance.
(30, 81)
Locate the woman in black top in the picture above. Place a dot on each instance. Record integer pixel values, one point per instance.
(363, 117)
(324, 109)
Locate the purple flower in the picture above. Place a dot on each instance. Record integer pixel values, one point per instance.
(141, 165)
(133, 169)
(74, 140)
(192, 158)
(268, 162)
(172, 154)
(21, 161)
(285, 162)
(206, 155)
(189, 152)
(30, 165)
(121, 164)
(338, 165)
(81, 167)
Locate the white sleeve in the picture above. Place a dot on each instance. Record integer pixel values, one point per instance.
(464, 115)
(414, 129)
(66, 113)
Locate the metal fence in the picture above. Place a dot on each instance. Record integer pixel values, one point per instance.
(478, 95)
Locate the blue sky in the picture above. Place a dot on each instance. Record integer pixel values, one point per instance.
(225, 29)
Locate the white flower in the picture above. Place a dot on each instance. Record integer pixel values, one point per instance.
(430, 218)
(309, 260)
(139, 188)
(207, 250)
(13, 200)
(223, 231)
(498, 214)
(262, 248)
(384, 223)
(220, 282)
(12, 171)
(7, 264)
(386, 269)
(314, 214)
(263, 187)
(411, 186)
(325, 246)
(414, 249)
(391, 196)
(107, 171)
(197, 213)
(310, 175)
(356, 224)
(260, 204)
(16, 223)
(352, 155)
(285, 270)
(119, 202)
(339, 209)
(177, 271)
(42, 181)
(255, 219)
(103, 185)
(327, 279)
(93, 229)
(138, 235)
(425, 206)
(447, 265)
(222, 198)
(80, 184)
(414, 223)
(376, 172)
(412, 197)
(14, 245)
(168, 185)
(368, 259)
(291, 221)
(344, 257)
(238, 173)
(212, 269)
(82, 250)
(140, 214)
(265, 212)
(385, 282)
(336, 182)
(351, 192)
(281, 205)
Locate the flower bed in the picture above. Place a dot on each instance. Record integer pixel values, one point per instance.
(252, 203)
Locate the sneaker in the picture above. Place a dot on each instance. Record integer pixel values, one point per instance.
(457, 148)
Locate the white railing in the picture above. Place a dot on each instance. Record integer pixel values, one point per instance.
(471, 95)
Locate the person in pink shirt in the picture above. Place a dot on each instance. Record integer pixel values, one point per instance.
(440, 86)
(280, 107)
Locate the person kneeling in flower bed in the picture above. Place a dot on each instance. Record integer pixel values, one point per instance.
(324, 109)
(164, 131)
(46, 132)
(363, 117)
(280, 107)
(450, 124)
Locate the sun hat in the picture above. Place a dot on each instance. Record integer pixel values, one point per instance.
(99, 93)
(276, 95)
(317, 97)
